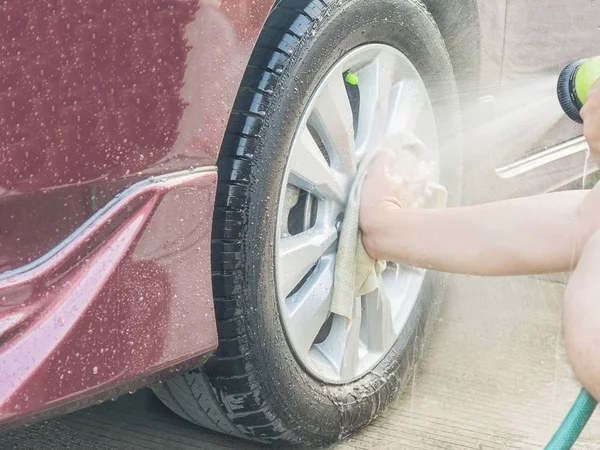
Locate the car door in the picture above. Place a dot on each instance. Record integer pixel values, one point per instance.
(541, 149)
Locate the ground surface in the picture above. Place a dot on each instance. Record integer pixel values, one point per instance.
(494, 376)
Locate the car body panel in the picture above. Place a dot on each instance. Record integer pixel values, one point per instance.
(127, 295)
(522, 137)
(105, 107)
(95, 95)
(542, 38)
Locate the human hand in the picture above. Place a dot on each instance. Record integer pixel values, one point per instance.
(400, 179)
(590, 113)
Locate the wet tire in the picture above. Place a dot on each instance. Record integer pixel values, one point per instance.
(253, 387)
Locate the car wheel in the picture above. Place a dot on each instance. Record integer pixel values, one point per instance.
(286, 370)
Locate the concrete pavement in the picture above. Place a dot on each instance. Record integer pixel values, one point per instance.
(493, 376)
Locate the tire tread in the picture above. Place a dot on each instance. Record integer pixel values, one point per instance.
(229, 368)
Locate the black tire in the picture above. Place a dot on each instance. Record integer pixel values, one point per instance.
(253, 387)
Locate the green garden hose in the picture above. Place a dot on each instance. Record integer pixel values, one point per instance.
(574, 422)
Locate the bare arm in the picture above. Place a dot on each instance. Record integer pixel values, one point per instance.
(538, 234)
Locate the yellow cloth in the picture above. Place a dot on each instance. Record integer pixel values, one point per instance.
(356, 273)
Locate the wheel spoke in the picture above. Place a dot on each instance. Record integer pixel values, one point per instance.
(310, 306)
(376, 81)
(378, 323)
(341, 347)
(309, 170)
(407, 101)
(351, 340)
(334, 122)
(300, 252)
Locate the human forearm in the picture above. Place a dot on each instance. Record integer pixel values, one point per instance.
(539, 234)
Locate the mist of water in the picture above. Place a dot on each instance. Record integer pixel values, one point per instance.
(514, 121)
(505, 124)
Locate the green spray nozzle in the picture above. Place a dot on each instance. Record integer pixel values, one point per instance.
(586, 76)
(574, 83)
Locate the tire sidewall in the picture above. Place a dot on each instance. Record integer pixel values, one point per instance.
(299, 400)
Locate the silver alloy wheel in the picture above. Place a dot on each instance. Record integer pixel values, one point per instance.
(340, 124)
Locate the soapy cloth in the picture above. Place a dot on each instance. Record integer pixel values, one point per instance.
(356, 272)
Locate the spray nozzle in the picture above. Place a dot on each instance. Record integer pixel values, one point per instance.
(574, 83)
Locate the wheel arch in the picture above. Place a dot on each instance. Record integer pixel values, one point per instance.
(248, 399)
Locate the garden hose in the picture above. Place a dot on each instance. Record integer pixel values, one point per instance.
(573, 424)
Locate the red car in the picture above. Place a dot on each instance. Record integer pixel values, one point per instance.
(173, 175)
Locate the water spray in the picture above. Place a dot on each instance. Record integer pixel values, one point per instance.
(574, 83)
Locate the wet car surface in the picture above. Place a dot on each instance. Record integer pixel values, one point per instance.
(153, 294)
